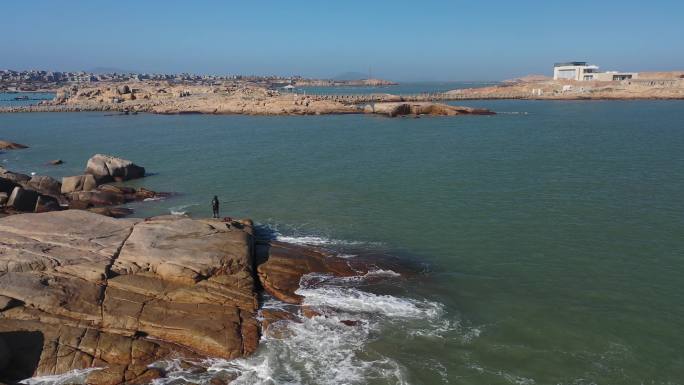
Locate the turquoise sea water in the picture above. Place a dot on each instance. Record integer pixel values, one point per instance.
(553, 239)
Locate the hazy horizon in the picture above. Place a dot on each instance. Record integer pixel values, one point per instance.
(396, 40)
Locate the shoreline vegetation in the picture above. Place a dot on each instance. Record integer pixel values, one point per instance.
(80, 289)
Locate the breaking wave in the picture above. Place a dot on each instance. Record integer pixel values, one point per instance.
(333, 346)
(68, 378)
(182, 209)
(310, 240)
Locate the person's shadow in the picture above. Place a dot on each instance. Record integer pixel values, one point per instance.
(19, 355)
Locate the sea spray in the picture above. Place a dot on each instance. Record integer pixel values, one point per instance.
(72, 377)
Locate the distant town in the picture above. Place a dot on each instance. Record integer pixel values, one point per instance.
(41, 80)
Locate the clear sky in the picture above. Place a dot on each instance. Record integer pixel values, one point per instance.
(399, 40)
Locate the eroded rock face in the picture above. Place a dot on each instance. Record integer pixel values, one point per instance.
(122, 293)
(282, 265)
(106, 168)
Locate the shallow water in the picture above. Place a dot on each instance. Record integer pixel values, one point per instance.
(552, 233)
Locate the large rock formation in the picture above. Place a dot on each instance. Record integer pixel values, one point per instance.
(81, 290)
(282, 265)
(106, 168)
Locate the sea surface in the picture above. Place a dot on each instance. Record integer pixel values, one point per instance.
(402, 88)
(551, 235)
(9, 99)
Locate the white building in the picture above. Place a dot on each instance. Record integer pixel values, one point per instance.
(581, 71)
(576, 70)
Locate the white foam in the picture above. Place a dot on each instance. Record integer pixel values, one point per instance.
(312, 240)
(313, 280)
(356, 301)
(182, 209)
(73, 377)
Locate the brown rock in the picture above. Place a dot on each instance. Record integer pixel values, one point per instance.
(44, 185)
(96, 198)
(78, 183)
(88, 290)
(114, 212)
(23, 200)
(106, 168)
(7, 302)
(281, 267)
(14, 177)
(46, 203)
(271, 316)
(4, 145)
(393, 109)
(56, 162)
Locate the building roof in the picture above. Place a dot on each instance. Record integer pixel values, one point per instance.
(571, 63)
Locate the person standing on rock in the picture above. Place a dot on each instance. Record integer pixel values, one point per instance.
(215, 206)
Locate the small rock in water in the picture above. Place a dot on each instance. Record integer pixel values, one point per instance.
(56, 162)
(5, 145)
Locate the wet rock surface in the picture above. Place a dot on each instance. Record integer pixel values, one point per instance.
(84, 290)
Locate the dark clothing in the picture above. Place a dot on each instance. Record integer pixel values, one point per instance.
(215, 207)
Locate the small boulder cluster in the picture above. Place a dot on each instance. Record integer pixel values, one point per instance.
(90, 191)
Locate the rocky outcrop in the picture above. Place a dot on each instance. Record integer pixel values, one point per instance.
(13, 177)
(22, 199)
(78, 183)
(107, 168)
(282, 265)
(86, 290)
(44, 185)
(4, 145)
(23, 193)
(108, 195)
(393, 109)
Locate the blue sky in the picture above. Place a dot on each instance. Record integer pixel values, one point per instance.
(399, 40)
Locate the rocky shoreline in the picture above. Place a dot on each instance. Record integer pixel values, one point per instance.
(152, 97)
(82, 290)
(95, 190)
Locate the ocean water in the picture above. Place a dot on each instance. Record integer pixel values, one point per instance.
(7, 99)
(402, 88)
(551, 234)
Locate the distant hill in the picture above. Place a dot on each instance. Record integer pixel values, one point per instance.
(351, 76)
